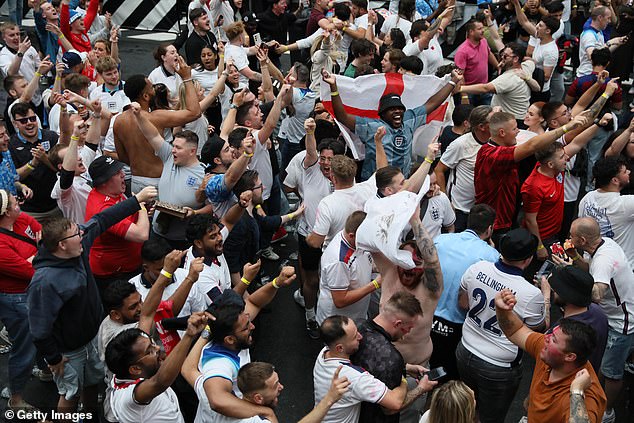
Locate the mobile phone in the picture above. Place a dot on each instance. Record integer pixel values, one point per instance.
(257, 39)
(437, 373)
(257, 256)
(545, 270)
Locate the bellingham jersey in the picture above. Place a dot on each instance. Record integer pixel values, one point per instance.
(481, 334)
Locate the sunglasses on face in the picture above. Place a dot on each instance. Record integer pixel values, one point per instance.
(24, 120)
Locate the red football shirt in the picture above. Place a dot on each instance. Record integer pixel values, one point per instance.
(544, 195)
(111, 254)
(17, 270)
(497, 182)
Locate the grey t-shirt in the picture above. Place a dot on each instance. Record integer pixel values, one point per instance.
(178, 185)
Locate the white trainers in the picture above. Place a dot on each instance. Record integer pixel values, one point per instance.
(299, 298)
(269, 254)
(609, 416)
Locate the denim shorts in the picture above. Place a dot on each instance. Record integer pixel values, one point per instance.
(617, 350)
(83, 368)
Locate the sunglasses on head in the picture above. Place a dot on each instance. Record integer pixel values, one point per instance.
(24, 120)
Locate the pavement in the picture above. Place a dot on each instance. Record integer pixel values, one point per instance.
(280, 335)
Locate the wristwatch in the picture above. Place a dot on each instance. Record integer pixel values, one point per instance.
(233, 106)
(20, 54)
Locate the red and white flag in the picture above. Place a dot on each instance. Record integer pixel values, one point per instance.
(360, 97)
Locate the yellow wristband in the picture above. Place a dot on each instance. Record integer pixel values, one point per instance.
(58, 78)
(376, 284)
(428, 160)
(540, 247)
(310, 133)
(30, 166)
(577, 257)
(565, 129)
(604, 95)
(167, 274)
(74, 138)
(258, 206)
(245, 281)
(274, 283)
(61, 36)
(334, 94)
(247, 155)
(404, 379)
(291, 216)
(221, 55)
(39, 75)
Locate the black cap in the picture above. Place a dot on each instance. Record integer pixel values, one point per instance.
(518, 245)
(228, 298)
(71, 59)
(211, 149)
(103, 168)
(573, 285)
(249, 17)
(390, 100)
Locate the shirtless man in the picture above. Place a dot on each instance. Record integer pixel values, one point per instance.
(132, 147)
(423, 281)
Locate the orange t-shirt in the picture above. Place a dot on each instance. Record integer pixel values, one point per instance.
(550, 401)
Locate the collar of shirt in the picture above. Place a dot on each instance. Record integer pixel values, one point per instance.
(111, 92)
(507, 268)
(24, 141)
(166, 72)
(380, 330)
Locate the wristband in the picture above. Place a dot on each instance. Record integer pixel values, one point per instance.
(565, 129)
(334, 94)
(428, 160)
(221, 55)
(58, 78)
(291, 216)
(95, 115)
(248, 155)
(74, 138)
(258, 206)
(310, 133)
(188, 80)
(167, 274)
(575, 258)
(233, 106)
(540, 247)
(61, 36)
(577, 392)
(452, 83)
(274, 283)
(605, 95)
(403, 380)
(30, 166)
(245, 281)
(39, 75)
(376, 284)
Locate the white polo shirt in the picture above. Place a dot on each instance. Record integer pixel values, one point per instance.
(609, 266)
(204, 413)
(363, 388)
(481, 334)
(343, 268)
(313, 187)
(439, 214)
(162, 408)
(460, 157)
(28, 67)
(261, 161)
(114, 101)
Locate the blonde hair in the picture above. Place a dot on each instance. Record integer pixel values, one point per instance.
(182, 98)
(452, 402)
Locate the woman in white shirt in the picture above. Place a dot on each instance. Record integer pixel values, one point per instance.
(403, 20)
(166, 56)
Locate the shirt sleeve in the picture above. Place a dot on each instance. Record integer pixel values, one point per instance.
(551, 57)
(534, 314)
(368, 388)
(460, 59)
(322, 221)
(530, 197)
(217, 367)
(216, 190)
(601, 270)
(164, 152)
(449, 216)
(534, 344)
(451, 156)
(336, 276)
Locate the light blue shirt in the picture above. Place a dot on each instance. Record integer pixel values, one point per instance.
(397, 142)
(457, 252)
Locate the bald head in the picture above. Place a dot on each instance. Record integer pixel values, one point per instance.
(587, 228)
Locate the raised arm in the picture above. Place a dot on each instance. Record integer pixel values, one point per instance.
(312, 155)
(340, 112)
(238, 167)
(508, 321)
(284, 98)
(437, 99)
(148, 130)
(338, 387)
(381, 157)
(621, 141)
(415, 181)
(541, 141)
(263, 296)
(34, 84)
(522, 19)
(267, 83)
(432, 279)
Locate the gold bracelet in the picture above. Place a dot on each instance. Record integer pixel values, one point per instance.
(376, 284)
(167, 274)
(274, 283)
(334, 94)
(428, 160)
(245, 281)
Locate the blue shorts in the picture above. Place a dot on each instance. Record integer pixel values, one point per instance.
(83, 368)
(617, 350)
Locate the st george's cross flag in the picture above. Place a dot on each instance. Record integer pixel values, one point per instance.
(360, 97)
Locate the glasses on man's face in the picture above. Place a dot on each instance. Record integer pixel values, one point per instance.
(79, 233)
(155, 351)
(24, 120)
(505, 56)
(257, 187)
(566, 113)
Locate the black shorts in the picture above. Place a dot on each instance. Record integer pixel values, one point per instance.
(310, 256)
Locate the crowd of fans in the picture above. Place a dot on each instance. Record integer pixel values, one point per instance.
(135, 214)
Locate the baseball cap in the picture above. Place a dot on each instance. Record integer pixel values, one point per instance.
(573, 285)
(518, 244)
(388, 101)
(249, 17)
(71, 59)
(103, 168)
(211, 149)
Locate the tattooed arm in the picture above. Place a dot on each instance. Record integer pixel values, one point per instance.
(578, 411)
(508, 321)
(432, 278)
